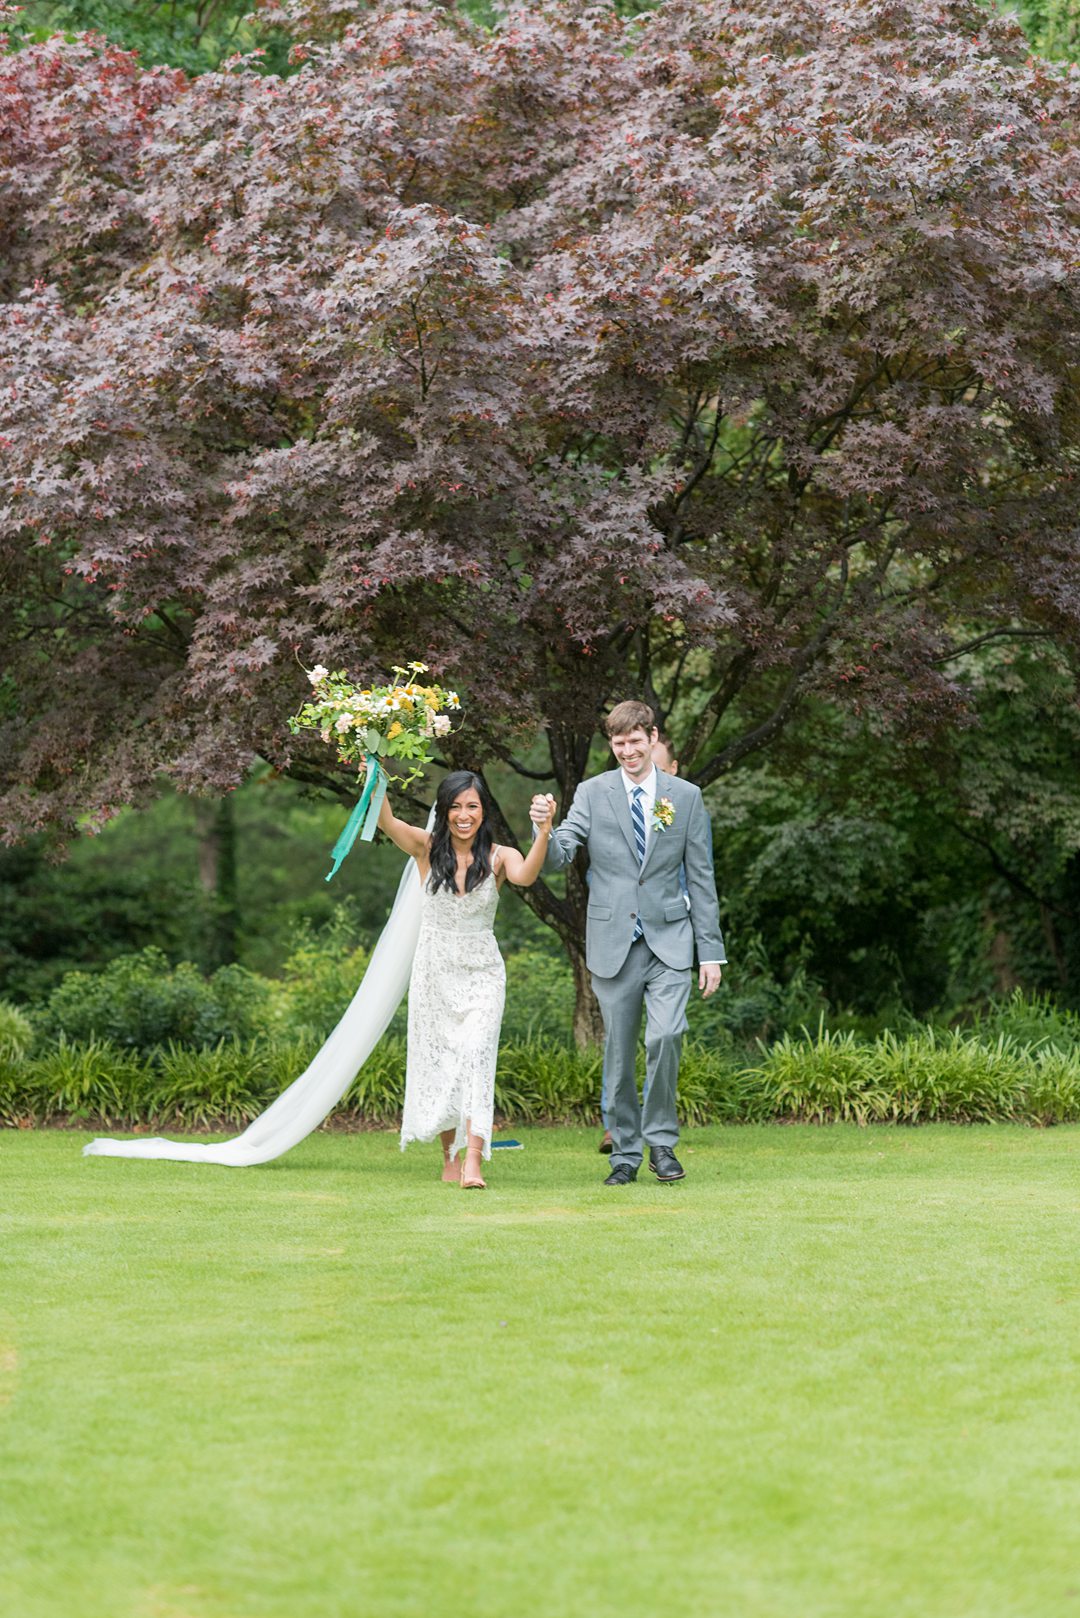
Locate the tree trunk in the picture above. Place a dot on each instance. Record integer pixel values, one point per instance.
(588, 1023)
(215, 822)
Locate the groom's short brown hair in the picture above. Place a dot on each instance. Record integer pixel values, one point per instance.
(628, 716)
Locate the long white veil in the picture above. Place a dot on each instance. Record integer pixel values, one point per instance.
(310, 1098)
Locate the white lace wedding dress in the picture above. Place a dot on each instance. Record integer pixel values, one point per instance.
(456, 995)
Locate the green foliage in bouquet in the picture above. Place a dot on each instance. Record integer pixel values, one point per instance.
(400, 722)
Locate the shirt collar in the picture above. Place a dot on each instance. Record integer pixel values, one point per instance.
(648, 785)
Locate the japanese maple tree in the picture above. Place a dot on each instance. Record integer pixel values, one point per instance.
(725, 356)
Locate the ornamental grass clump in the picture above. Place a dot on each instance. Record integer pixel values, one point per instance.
(378, 1090)
(537, 1079)
(91, 1081)
(936, 1077)
(820, 1078)
(225, 1085)
(1053, 1092)
(16, 1033)
(927, 1077)
(716, 1088)
(1031, 1019)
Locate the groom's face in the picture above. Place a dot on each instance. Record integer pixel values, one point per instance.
(633, 749)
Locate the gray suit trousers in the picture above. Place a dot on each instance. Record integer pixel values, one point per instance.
(643, 981)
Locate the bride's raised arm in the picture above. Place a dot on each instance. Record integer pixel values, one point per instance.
(523, 869)
(410, 839)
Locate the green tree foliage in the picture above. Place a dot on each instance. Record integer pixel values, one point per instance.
(196, 35)
(1053, 26)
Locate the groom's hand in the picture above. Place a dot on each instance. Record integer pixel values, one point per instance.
(542, 810)
(708, 980)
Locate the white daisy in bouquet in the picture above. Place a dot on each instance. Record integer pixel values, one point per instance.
(399, 722)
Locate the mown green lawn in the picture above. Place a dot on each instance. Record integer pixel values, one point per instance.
(831, 1375)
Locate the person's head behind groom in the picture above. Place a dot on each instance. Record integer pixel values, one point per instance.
(664, 755)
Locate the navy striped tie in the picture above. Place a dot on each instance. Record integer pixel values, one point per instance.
(637, 815)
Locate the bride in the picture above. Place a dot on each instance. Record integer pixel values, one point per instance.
(458, 981)
(417, 912)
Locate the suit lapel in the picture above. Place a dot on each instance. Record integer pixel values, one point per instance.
(621, 805)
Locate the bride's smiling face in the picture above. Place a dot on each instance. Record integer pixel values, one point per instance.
(466, 816)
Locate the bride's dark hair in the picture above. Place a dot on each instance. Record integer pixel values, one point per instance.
(443, 858)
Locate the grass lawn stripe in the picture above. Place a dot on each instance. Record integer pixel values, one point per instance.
(834, 1373)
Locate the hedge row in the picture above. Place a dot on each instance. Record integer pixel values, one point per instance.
(141, 1001)
(827, 1077)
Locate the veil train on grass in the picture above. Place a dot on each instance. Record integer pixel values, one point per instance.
(313, 1096)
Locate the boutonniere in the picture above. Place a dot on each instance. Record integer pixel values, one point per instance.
(663, 814)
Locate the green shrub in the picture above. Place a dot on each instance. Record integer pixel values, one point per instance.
(140, 1002)
(540, 1079)
(921, 1078)
(16, 1032)
(90, 1082)
(377, 1093)
(539, 997)
(247, 1003)
(225, 1085)
(14, 1107)
(1053, 1095)
(715, 1087)
(818, 1079)
(752, 1004)
(1034, 1020)
(930, 1075)
(319, 979)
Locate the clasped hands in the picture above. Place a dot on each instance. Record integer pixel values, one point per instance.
(542, 811)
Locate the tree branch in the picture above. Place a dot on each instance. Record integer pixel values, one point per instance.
(1003, 633)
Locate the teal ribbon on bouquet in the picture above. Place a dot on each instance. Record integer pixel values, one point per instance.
(365, 817)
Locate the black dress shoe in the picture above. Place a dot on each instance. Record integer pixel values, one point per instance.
(623, 1175)
(607, 1144)
(665, 1165)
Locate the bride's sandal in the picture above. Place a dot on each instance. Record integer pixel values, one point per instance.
(473, 1181)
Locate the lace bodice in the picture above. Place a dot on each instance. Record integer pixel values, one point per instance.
(461, 912)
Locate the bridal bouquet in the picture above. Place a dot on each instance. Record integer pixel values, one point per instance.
(373, 724)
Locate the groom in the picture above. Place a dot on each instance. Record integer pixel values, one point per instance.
(639, 826)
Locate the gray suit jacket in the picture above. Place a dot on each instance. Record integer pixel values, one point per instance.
(619, 892)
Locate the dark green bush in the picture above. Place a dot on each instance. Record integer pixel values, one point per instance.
(140, 1002)
(753, 1004)
(319, 979)
(539, 997)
